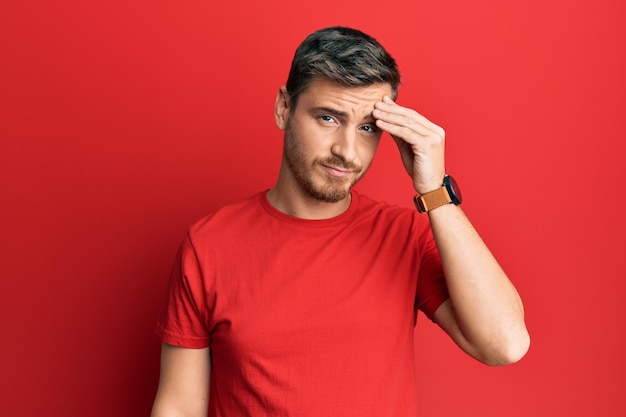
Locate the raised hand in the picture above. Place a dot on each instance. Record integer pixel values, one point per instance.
(421, 142)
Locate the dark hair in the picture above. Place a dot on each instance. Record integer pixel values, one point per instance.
(344, 55)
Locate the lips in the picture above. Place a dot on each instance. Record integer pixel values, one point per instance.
(337, 171)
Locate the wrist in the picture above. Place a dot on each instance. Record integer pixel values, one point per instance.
(447, 193)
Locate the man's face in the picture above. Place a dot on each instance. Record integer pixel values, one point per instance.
(330, 138)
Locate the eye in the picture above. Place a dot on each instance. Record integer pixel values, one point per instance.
(369, 128)
(326, 118)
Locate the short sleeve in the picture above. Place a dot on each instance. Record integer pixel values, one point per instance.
(184, 313)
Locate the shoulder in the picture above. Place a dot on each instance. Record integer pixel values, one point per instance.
(384, 211)
(392, 220)
(228, 218)
(366, 202)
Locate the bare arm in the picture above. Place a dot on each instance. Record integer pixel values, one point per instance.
(484, 314)
(184, 383)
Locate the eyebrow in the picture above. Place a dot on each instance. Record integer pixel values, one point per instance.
(339, 113)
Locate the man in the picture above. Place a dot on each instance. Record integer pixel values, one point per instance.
(301, 300)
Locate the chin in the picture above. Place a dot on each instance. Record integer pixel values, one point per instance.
(330, 194)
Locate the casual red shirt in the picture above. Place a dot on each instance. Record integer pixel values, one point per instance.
(305, 317)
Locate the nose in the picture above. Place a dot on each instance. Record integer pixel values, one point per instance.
(344, 144)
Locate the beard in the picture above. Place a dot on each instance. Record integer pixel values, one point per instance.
(330, 189)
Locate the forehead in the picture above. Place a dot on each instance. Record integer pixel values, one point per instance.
(327, 93)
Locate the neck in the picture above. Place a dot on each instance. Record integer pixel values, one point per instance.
(293, 201)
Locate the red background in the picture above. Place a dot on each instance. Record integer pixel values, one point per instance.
(121, 122)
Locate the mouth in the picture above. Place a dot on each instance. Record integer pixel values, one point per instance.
(337, 171)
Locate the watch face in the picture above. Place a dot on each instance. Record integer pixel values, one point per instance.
(453, 190)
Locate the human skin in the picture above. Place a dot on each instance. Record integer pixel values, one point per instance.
(484, 314)
(329, 143)
(331, 137)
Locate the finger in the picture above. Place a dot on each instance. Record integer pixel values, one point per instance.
(396, 123)
(410, 118)
(387, 107)
(406, 132)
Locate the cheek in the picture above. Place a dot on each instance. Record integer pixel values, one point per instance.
(313, 139)
(297, 146)
(369, 149)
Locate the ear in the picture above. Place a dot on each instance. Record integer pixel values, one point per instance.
(282, 108)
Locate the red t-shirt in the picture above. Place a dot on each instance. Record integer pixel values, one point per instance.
(305, 317)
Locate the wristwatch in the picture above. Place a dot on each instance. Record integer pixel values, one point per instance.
(449, 193)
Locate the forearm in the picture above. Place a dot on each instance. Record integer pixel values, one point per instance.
(486, 306)
(484, 314)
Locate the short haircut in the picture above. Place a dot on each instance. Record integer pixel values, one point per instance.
(343, 55)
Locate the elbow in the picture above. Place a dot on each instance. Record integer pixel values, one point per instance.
(509, 351)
